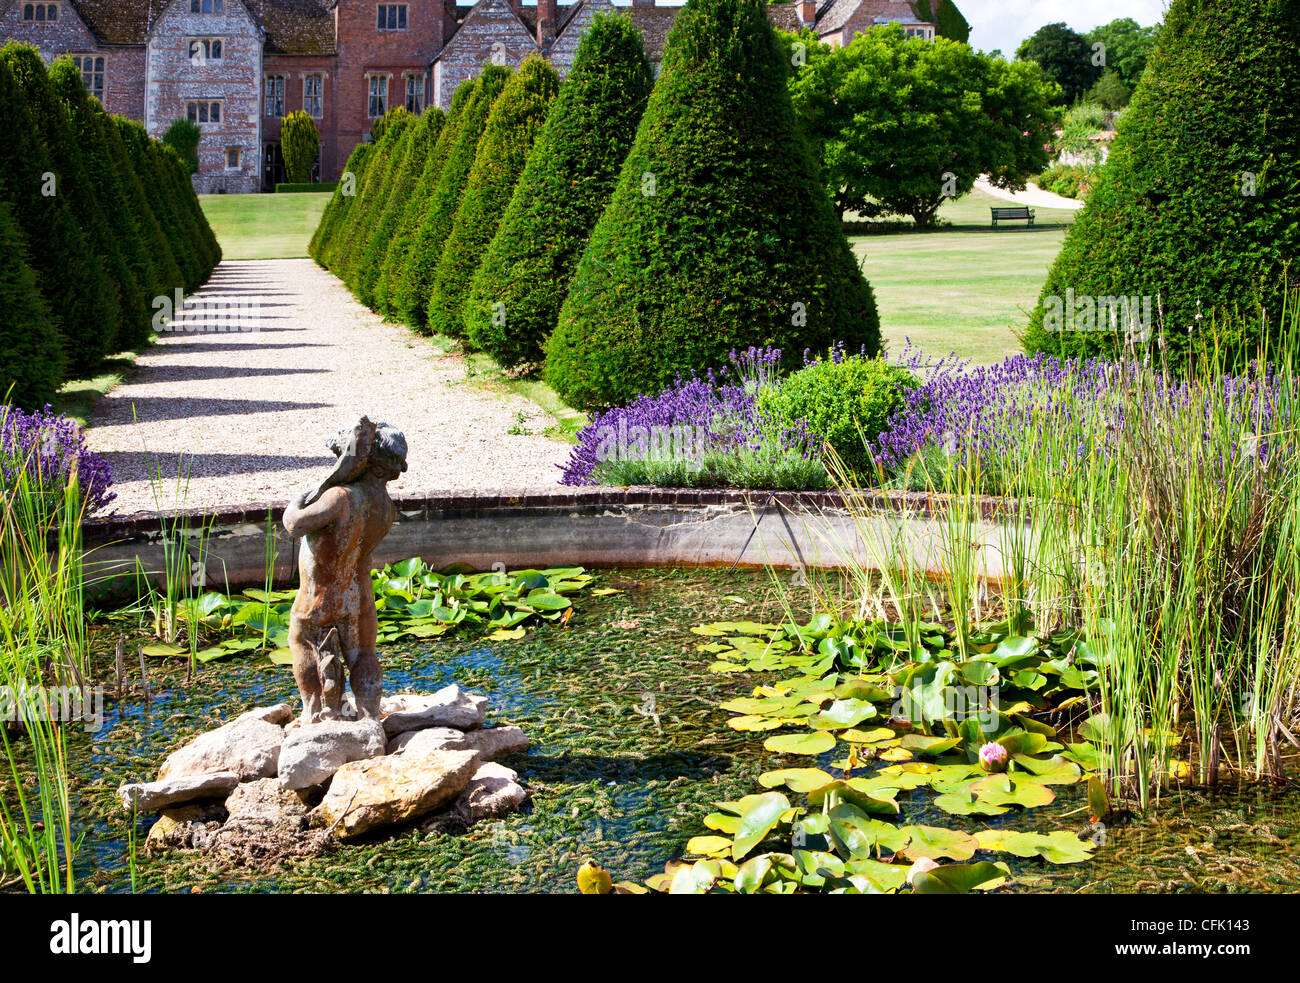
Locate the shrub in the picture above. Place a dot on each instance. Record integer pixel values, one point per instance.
(63, 256)
(512, 126)
(846, 403)
(1196, 205)
(419, 140)
(393, 266)
(300, 144)
(372, 188)
(31, 358)
(183, 137)
(719, 234)
(563, 190)
(1067, 180)
(411, 299)
(334, 218)
(1110, 91)
(47, 447)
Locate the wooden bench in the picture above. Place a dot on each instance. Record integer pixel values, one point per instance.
(1015, 212)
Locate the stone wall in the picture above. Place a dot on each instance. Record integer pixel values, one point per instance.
(491, 32)
(176, 78)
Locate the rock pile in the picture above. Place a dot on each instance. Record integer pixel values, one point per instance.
(265, 778)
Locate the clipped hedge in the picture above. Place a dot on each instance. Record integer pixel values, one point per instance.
(373, 188)
(565, 186)
(1195, 210)
(516, 117)
(719, 234)
(31, 356)
(335, 216)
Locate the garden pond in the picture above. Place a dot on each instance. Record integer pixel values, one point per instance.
(631, 751)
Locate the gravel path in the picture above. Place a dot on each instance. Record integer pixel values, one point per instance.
(250, 409)
(1033, 196)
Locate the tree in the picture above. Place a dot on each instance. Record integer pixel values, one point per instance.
(719, 234)
(1065, 56)
(560, 196)
(516, 118)
(902, 124)
(335, 217)
(184, 136)
(373, 188)
(1126, 48)
(411, 298)
(1110, 91)
(31, 367)
(1195, 211)
(947, 19)
(300, 145)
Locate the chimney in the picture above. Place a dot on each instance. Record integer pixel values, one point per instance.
(807, 12)
(545, 23)
(643, 3)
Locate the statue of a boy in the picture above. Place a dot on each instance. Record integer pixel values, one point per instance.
(333, 621)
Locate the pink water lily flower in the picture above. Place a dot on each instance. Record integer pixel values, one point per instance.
(993, 757)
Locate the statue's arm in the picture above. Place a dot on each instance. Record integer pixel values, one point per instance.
(301, 519)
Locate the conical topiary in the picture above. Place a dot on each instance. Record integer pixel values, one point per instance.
(413, 209)
(1195, 210)
(411, 299)
(370, 191)
(719, 234)
(517, 293)
(30, 366)
(511, 128)
(335, 216)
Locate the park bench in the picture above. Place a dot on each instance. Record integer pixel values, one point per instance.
(1016, 211)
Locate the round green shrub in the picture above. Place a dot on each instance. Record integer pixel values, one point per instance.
(565, 186)
(1195, 210)
(411, 299)
(845, 401)
(512, 126)
(719, 235)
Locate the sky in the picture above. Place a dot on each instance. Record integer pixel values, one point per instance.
(1003, 24)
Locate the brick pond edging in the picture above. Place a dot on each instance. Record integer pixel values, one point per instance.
(558, 526)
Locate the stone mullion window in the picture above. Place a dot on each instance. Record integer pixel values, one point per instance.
(313, 96)
(203, 111)
(391, 17)
(92, 73)
(377, 95)
(415, 94)
(274, 96)
(41, 13)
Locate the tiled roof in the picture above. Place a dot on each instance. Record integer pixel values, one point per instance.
(296, 27)
(654, 23)
(784, 16)
(118, 21)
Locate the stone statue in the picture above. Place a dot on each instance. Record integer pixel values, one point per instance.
(332, 624)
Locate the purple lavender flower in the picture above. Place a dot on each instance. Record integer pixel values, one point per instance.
(47, 448)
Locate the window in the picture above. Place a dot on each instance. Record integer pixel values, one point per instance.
(274, 96)
(415, 94)
(378, 96)
(232, 158)
(92, 73)
(207, 6)
(313, 99)
(203, 112)
(392, 17)
(204, 50)
(43, 12)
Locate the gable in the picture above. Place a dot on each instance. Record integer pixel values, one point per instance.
(489, 22)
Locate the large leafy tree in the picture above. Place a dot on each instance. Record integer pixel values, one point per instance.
(901, 123)
(719, 234)
(1127, 46)
(517, 293)
(1066, 57)
(1196, 207)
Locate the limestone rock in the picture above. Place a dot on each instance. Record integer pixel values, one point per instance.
(280, 714)
(493, 791)
(266, 800)
(249, 746)
(314, 752)
(491, 744)
(153, 796)
(379, 792)
(450, 706)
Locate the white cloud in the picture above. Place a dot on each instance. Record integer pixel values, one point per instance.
(1005, 23)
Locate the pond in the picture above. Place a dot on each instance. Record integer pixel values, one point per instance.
(630, 750)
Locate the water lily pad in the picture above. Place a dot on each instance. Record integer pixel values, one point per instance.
(801, 780)
(759, 814)
(936, 843)
(957, 878)
(1060, 847)
(842, 713)
(709, 846)
(816, 742)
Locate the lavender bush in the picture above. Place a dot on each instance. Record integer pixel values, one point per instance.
(48, 448)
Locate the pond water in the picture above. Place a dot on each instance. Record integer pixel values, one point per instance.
(629, 751)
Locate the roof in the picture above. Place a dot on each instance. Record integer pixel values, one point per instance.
(784, 16)
(834, 14)
(654, 23)
(118, 21)
(291, 26)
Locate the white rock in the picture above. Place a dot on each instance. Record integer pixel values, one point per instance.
(153, 796)
(366, 795)
(493, 791)
(265, 800)
(314, 752)
(249, 746)
(491, 744)
(280, 714)
(450, 706)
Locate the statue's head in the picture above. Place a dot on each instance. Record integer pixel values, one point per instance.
(374, 447)
(388, 453)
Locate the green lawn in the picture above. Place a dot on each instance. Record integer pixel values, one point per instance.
(967, 290)
(264, 226)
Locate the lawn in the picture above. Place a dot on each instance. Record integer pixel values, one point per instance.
(264, 226)
(963, 288)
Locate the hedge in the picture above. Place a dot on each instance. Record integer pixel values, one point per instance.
(31, 355)
(372, 188)
(719, 234)
(1196, 207)
(334, 218)
(517, 116)
(560, 196)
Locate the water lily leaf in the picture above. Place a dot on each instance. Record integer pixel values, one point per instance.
(1055, 770)
(895, 754)
(964, 803)
(752, 873)
(280, 657)
(887, 877)
(1095, 728)
(164, 650)
(697, 878)
(1003, 790)
(801, 780)
(752, 723)
(877, 735)
(505, 634)
(727, 667)
(816, 742)
(605, 592)
(937, 843)
(709, 846)
(816, 866)
(759, 814)
(842, 713)
(956, 878)
(924, 744)
(594, 880)
(863, 689)
(1085, 755)
(857, 835)
(722, 822)
(1060, 847)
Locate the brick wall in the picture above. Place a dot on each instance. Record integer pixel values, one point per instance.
(295, 69)
(175, 79)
